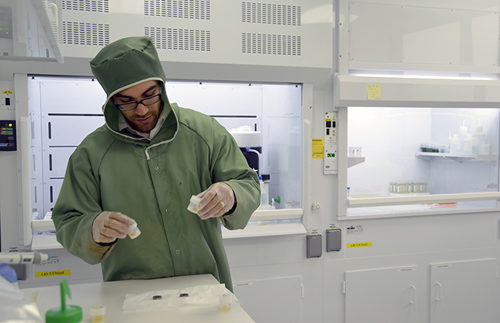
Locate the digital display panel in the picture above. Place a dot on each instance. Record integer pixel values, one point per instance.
(8, 135)
(5, 22)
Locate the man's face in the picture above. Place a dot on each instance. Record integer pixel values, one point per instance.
(144, 117)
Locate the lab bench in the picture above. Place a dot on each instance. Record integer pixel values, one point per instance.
(112, 296)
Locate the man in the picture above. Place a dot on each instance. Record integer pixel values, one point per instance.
(142, 167)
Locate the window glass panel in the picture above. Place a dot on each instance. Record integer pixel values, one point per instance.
(406, 152)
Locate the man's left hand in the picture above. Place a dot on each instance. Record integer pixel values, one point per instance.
(216, 201)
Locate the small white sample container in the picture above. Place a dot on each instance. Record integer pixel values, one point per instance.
(97, 313)
(193, 204)
(226, 301)
(135, 231)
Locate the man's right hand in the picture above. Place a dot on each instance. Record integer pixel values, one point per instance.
(110, 226)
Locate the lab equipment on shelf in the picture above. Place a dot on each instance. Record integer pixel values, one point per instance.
(12, 258)
(467, 143)
(479, 145)
(409, 187)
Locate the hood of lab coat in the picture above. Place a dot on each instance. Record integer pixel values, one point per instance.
(123, 64)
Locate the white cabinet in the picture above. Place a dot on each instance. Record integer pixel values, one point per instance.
(277, 299)
(460, 291)
(464, 291)
(381, 295)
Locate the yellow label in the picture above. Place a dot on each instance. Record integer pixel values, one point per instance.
(318, 149)
(359, 244)
(53, 273)
(8, 92)
(374, 92)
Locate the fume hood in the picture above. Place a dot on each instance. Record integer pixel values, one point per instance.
(63, 110)
(30, 30)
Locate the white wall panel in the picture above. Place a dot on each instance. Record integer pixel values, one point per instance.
(490, 5)
(70, 130)
(213, 99)
(271, 33)
(52, 187)
(61, 96)
(415, 34)
(435, 233)
(57, 161)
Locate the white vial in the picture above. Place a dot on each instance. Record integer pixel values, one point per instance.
(193, 204)
(135, 231)
(225, 302)
(97, 313)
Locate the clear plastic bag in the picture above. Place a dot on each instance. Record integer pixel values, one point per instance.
(206, 295)
(15, 307)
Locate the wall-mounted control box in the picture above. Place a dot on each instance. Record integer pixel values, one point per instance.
(331, 127)
(333, 239)
(330, 153)
(7, 100)
(8, 135)
(314, 246)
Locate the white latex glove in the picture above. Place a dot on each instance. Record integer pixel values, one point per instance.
(110, 226)
(216, 201)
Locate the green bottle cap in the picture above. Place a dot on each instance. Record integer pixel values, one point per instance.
(65, 313)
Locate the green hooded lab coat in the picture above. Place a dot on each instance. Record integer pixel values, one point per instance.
(152, 182)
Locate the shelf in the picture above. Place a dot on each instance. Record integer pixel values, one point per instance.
(45, 242)
(353, 161)
(490, 159)
(276, 214)
(49, 241)
(265, 230)
(43, 225)
(259, 226)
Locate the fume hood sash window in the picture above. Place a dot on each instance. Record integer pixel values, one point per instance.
(407, 160)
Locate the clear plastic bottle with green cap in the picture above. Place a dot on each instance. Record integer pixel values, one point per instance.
(65, 313)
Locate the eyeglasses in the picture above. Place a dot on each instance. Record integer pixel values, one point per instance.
(134, 104)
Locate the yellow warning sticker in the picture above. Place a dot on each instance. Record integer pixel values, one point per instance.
(8, 92)
(318, 148)
(53, 273)
(359, 244)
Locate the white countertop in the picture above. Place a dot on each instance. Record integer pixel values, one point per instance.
(112, 295)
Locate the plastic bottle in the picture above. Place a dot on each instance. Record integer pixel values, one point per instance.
(65, 313)
(468, 142)
(479, 145)
(454, 143)
(264, 196)
(462, 137)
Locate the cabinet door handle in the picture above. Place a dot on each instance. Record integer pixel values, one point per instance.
(413, 294)
(440, 291)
